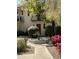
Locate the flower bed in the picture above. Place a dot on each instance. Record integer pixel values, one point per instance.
(56, 40)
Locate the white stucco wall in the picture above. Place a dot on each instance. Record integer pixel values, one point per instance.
(27, 23)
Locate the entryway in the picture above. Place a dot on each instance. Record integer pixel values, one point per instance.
(39, 26)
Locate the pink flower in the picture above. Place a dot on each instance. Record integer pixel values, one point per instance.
(56, 38)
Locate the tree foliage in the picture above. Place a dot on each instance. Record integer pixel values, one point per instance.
(48, 10)
(53, 13)
(36, 6)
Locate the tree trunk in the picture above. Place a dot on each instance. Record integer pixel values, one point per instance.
(53, 27)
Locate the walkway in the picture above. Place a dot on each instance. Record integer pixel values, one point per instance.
(41, 52)
(26, 56)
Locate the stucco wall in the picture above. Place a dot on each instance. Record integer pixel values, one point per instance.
(27, 23)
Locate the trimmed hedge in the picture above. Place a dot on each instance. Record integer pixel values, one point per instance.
(21, 33)
(58, 30)
(49, 31)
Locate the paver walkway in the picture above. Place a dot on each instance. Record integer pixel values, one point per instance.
(41, 52)
(26, 56)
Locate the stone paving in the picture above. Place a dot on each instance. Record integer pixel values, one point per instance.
(41, 52)
(26, 56)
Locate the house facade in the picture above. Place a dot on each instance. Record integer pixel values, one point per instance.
(24, 21)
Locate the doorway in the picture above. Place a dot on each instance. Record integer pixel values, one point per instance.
(39, 26)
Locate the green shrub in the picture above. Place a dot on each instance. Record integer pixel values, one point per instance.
(21, 45)
(33, 33)
(20, 33)
(26, 33)
(49, 31)
(58, 30)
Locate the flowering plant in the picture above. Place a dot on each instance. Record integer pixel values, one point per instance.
(56, 39)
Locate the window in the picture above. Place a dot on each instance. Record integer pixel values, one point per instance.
(17, 12)
(17, 18)
(21, 19)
